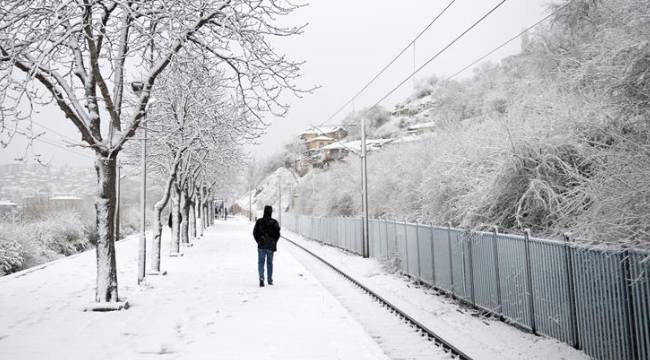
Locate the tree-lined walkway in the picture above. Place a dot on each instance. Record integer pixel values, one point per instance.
(208, 307)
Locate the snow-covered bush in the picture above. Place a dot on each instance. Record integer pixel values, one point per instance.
(23, 245)
(11, 258)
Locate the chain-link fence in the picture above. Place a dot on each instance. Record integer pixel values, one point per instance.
(597, 300)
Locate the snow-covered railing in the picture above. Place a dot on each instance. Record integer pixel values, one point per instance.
(595, 299)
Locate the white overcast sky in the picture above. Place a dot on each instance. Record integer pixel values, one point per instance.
(345, 44)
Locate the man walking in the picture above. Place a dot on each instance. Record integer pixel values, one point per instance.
(266, 233)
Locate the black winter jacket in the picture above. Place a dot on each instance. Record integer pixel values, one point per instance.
(266, 231)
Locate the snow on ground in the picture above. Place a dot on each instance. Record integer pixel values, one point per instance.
(479, 337)
(208, 307)
(398, 339)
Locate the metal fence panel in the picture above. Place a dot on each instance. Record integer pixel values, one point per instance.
(640, 291)
(484, 276)
(357, 224)
(441, 258)
(400, 243)
(512, 267)
(603, 328)
(551, 290)
(391, 234)
(426, 257)
(412, 250)
(459, 266)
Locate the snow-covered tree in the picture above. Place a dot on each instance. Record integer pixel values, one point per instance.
(83, 55)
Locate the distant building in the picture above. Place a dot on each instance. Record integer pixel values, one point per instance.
(338, 151)
(318, 142)
(336, 133)
(333, 152)
(315, 140)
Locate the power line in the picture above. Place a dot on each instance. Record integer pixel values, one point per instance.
(54, 131)
(508, 41)
(439, 53)
(435, 56)
(389, 63)
(51, 143)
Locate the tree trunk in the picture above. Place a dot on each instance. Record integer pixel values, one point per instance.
(176, 219)
(185, 211)
(204, 214)
(106, 290)
(200, 213)
(158, 226)
(193, 217)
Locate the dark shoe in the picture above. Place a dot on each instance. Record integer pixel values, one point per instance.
(261, 283)
(270, 282)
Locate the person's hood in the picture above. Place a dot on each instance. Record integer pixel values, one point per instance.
(268, 210)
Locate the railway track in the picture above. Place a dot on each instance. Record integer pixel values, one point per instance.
(437, 340)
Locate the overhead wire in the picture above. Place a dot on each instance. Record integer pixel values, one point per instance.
(436, 55)
(432, 58)
(502, 45)
(390, 63)
(51, 143)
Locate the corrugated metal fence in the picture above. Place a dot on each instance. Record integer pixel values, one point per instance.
(594, 299)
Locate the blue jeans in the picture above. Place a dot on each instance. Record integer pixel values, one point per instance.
(262, 255)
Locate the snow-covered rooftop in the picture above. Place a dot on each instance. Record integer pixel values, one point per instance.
(321, 138)
(372, 144)
(322, 130)
(7, 203)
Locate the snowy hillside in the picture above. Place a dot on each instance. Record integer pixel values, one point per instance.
(266, 192)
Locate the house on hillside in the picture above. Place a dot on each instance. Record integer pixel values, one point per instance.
(336, 133)
(318, 142)
(338, 150)
(315, 139)
(333, 152)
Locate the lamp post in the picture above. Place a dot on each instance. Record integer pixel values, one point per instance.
(137, 87)
(116, 221)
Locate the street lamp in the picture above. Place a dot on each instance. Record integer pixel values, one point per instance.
(137, 87)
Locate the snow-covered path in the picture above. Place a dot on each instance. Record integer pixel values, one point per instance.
(208, 307)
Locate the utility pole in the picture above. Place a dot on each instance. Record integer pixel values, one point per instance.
(142, 253)
(364, 192)
(137, 87)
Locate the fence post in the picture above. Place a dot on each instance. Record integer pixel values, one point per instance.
(529, 282)
(497, 274)
(451, 260)
(471, 265)
(433, 257)
(386, 236)
(417, 246)
(629, 304)
(395, 236)
(573, 308)
(406, 247)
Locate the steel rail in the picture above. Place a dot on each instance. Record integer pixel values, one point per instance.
(432, 336)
